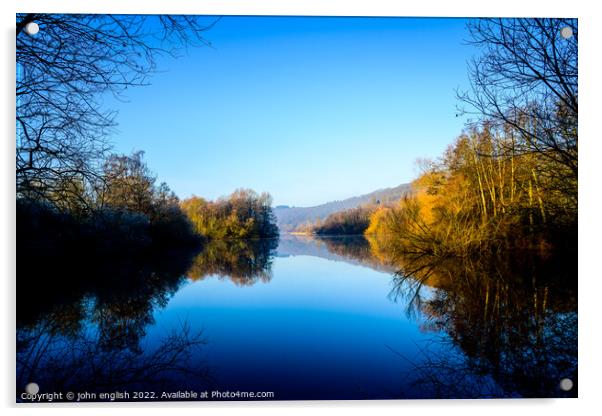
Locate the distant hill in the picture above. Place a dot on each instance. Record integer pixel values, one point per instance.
(290, 217)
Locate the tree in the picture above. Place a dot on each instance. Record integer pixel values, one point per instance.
(526, 79)
(128, 184)
(243, 214)
(352, 221)
(63, 73)
(129, 187)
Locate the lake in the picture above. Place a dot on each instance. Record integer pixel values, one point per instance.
(298, 318)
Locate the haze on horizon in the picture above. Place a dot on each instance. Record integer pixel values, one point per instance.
(309, 109)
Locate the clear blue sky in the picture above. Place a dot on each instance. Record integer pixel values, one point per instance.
(308, 109)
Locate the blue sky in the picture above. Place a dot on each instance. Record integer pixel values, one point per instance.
(308, 109)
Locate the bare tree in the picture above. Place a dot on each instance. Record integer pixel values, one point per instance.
(63, 73)
(526, 78)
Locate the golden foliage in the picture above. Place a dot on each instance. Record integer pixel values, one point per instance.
(243, 214)
(486, 193)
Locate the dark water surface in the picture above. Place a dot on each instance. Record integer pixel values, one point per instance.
(303, 318)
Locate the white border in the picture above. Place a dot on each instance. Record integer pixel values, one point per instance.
(589, 184)
(462, 8)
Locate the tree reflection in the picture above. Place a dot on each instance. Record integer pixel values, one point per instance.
(82, 322)
(353, 249)
(513, 318)
(502, 326)
(244, 262)
(82, 362)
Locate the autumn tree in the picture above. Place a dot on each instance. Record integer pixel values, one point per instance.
(510, 179)
(128, 184)
(349, 222)
(243, 214)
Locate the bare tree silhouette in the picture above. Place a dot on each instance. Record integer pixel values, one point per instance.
(63, 73)
(526, 78)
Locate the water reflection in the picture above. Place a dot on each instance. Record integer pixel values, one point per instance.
(514, 318)
(495, 327)
(354, 249)
(502, 326)
(244, 262)
(81, 322)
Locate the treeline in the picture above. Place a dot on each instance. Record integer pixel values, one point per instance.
(484, 194)
(124, 210)
(510, 180)
(243, 214)
(71, 193)
(352, 221)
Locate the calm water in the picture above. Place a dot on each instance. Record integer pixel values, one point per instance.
(300, 317)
